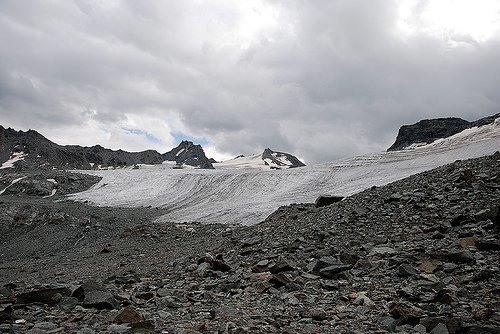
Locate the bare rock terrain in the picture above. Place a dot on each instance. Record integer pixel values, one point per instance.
(420, 255)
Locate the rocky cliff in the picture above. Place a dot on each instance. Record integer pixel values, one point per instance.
(189, 154)
(428, 130)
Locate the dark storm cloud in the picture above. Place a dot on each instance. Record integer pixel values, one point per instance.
(321, 79)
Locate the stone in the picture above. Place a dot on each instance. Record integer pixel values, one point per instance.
(261, 266)
(383, 250)
(216, 264)
(93, 294)
(45, 326)
(280, 279)
(440, 329)
(44, 295)
(398, 310)
(453, 325)
(349, 258)
(459, 220)
(203, 268)
(324, 262)
(388, 322)
(6, 313)
(315, 314)
(475, 329)
(332, 271)
(406, 270)
(362, 299)
(420, 329)
(67, 303)
(461, 257)
(492, 214)
(144, 295)
(282, 265)
(395, 197)
(119, 329)
(128, 315)
(330, 285)
(163, 292)
(325, 200)
(429, 266)
(449, 267)
(5, 292)
(251, 241)
(488, 245)
(467, 242)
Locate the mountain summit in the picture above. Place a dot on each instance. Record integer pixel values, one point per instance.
(268, 159)
(428, 130)
(190, 154)
(280, 159)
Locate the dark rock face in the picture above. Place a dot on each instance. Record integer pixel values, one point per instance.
(325, 200)
(190, 154)
(43, 153)
(282, 159)
(95, 295)
(428, 130)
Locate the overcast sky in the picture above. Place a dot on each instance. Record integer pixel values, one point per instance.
(319, 79)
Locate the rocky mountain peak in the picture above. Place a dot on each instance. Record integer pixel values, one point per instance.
(428, 130)
(278, 160)
(187, 153)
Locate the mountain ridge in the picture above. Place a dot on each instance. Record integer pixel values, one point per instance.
(427, 131)
(190, 154)
(30, 149)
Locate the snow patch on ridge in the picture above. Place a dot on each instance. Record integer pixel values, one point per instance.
(16, 156)
(13, 182)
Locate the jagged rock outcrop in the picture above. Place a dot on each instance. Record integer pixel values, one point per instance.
(281, 159)
(428, 130)
(268, 159)
(189, 154)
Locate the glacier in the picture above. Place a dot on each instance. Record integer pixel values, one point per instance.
(248, 196)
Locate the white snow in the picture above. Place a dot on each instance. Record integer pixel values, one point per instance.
(180, 151)
(13, 182)
(51, 194)
(13, 158)
(254, 162)
(249, 162)
(248, 196)
(53, 190)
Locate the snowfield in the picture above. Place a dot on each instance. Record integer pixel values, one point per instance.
(248, 196)
(14, 158)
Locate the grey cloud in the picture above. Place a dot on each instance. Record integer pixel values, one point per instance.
(328, 79)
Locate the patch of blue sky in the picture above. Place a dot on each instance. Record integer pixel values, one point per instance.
(145, 134)
(179, 136)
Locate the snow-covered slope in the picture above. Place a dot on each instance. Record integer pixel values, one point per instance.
(267, 160)
(249, 196)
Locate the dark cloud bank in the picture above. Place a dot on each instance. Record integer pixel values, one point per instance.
(322, 79)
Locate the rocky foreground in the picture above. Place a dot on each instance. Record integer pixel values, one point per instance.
(420, 255)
